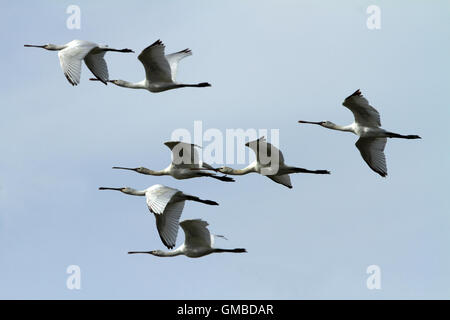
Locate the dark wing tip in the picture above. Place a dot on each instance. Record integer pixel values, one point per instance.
(70, 80)
(354, 94)
(157, 43)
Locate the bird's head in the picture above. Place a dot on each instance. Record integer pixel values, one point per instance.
(118, 82)
(325, 124)
(139, 169)
(157, 253)
(225, 170)
(124, 190)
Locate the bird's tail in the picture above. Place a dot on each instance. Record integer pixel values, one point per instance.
(237, 250)
(194, 198)
(396, 135)
(302, 170)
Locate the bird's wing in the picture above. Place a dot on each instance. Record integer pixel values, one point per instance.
(264, 149)
(97, 64)
(158, 197)
(363, 112)
(184, 155)
(157, 68)
(196, 233)
(161, 201)
(284, 179)
(70, 60)
(372, 151)
(174, 58)
(168, 222)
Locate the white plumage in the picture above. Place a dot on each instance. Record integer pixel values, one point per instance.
(198, 242)
(367, 125)
(167, 205)
(160, 70)
(72, 53)
(269, 162)
(185, 158)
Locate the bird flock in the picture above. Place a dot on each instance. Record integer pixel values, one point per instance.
(167, 203)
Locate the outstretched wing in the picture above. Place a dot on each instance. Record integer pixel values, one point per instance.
(372, 151)
(184, 155)
(161, 200)
(363, 112)
(157, 68)
(284, 179)
(174, 58)
(97, 64)
(265, 152)
(70, 61)
(196, 233)
(167, 223)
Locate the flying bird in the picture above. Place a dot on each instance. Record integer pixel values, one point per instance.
(372, 138)
(167, 205)
(269, 162)
(184, 157)
(198, 242)
(71, 54)
(160, 70)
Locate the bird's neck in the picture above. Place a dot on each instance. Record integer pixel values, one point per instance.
(337, 127)
(131, 85)
(153, 172)
(178, 251)
(136, 192)
(55, 47)
(239, 172)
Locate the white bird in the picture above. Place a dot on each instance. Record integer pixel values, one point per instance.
(269, 162)
(185, 157)
(160, 70)
(372, 138)
(198, 242)
(167, 205)
(71, 54)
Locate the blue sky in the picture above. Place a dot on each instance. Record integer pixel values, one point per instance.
(270, 64)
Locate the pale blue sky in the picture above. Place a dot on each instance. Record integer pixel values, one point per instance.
(270, 64)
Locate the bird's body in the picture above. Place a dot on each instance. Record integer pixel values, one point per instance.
(185, 157)
(269, 162)
(167, 205)
(74, 52)
(160, 70)
(198, 242)
(367, 125)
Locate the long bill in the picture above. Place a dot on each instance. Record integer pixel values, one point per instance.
(107, 188)
(95, 79)
(123, 168)
(311, 122)
(33, 46)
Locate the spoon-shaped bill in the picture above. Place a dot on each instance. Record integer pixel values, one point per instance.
(107, 188)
